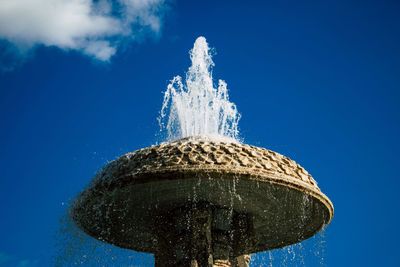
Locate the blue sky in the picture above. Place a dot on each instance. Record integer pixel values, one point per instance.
(317, 81)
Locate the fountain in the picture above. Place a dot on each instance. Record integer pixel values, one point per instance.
(203, 198)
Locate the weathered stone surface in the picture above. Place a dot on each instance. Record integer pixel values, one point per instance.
(204, 154)
(275, 201)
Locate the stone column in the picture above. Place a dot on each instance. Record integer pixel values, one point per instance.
(197, 236)
(222, 237)
(184, 237)
(220, 230)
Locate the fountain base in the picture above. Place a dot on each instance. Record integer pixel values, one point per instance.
(199, 234)
(200, 202)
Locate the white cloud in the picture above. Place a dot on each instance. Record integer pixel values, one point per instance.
(93, 27)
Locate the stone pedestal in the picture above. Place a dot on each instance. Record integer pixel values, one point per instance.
(197, 235)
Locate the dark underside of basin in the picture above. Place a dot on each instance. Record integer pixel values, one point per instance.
(127, 213)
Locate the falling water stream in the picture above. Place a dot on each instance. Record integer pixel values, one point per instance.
(193, 106)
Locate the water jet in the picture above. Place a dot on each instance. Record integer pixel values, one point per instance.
(203, 199)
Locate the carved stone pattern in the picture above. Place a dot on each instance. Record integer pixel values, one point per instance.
(202, 153)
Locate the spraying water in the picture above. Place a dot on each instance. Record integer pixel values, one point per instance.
(196, 107)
